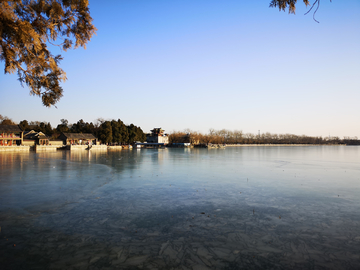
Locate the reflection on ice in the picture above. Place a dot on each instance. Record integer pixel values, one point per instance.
(252, 208)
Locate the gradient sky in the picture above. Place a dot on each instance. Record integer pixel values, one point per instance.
(209, 64)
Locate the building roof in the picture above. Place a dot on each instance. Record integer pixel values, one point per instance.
(34, 135)
(157, 132)
(10, 128)
(29, 132)
(79, 136)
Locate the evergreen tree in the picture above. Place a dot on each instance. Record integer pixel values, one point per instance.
(105, 132)
(135, 134)
(26, 29)
(24, 125)
(48, 129)
(63, 127)
(116, 132)
(123, 131)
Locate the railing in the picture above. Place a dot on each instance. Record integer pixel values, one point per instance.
(10, 137)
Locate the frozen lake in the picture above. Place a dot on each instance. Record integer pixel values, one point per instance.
(234, 208)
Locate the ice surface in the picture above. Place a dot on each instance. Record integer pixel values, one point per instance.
(265, 208)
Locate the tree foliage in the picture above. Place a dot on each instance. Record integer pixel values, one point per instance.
(82, 127)
(26, 30)
(238, 137)
(116, 132)
(120, 132)
(63, 127)
(24, 125)
(44, 127)
(286, 4)
(291, 5)
(106, 135)
(4, 120)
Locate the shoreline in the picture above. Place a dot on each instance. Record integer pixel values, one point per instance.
(269, 144)
(109, 148)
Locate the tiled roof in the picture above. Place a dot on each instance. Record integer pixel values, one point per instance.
(33, 135)
(79, 136)
(10, 128)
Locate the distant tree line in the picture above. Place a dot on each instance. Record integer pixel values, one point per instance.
(4, 120)
(109, 132)
(116, 132)
(238, 137)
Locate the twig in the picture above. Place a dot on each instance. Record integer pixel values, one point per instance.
(318, 2)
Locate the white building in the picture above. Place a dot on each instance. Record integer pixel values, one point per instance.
(157, 135)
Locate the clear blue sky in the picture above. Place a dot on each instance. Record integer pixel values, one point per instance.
(210, 64)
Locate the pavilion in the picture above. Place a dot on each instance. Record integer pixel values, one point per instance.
(10, 135)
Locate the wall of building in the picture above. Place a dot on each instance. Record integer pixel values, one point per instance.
(28, 142)
(14, 148)
(85, 147)
(115, 147)
(57, 143)
(163, 139)
(157, 139)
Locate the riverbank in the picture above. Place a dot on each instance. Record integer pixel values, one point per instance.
(269, 144)
(40, 148)
(20, 148)
(54, 148)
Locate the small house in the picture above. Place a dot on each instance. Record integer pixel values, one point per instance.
(78, 139)
(32, 137)
(10, 135)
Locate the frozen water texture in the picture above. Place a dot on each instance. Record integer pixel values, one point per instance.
(234, 208)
